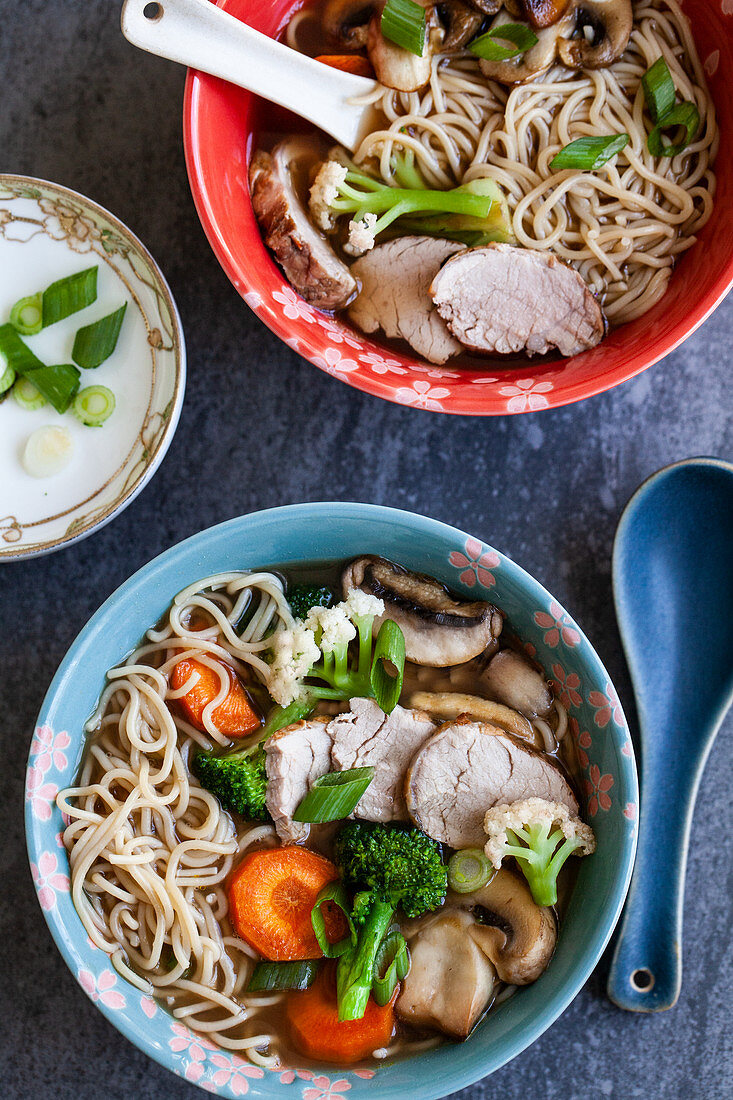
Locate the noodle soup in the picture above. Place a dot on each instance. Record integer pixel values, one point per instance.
(602, 234)
(323, 813)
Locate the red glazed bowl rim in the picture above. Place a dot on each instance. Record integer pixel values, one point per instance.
(498, 390)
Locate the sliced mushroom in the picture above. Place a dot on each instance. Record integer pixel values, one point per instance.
(488, 7)
(278, 183)
(602, 32)
(452, 704)
(511, 679)
(461, 21)
(439, 630)
(451, 981)
(525, 66)
(515, 933)
(345, 22)
(543, 13)
(397, 68)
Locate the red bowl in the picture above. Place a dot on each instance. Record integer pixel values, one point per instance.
(219, 123)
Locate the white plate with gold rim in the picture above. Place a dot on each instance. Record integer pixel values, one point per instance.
(46, 233)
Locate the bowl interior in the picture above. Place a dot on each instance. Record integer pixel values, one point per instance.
(221, 124)
(312, 532)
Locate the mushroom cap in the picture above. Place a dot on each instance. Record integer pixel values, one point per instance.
(512, 680)
(515, 933)
(536, 60)
(452, 704)
(439, 630)
(611, 22)
(543, 13)
(397, 68)
(462, 22)
(345, 21)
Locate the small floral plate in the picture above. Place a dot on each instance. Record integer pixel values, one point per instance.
(327, 532)
(46, 233)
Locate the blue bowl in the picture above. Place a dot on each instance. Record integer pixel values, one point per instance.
(311, 532)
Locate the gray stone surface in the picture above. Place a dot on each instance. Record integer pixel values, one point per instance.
(81, 107)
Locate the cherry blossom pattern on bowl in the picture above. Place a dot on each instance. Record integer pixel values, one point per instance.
(221, 121)
(324, 532)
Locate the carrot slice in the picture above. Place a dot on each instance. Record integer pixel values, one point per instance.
(317, 1032)
(348, 63)
(271, 895)
(235, 716)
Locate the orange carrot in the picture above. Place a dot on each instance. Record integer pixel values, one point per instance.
(317, 1032)
(271, 895)
(235, 716)
(348, 63)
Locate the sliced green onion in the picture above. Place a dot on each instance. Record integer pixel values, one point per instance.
(469, 870)
(391, 965)
(389, 650)
(334, 894)
(94, 405)
(487, 48)
(403, 22)
(58, 384)
(283, 975)
(334, 796)
(684, 114)
(659, 90)
(589, 153)
(26, 316)
(69, 295)
(7, 377)
(48, 451)
(94, 343)
(27, 396)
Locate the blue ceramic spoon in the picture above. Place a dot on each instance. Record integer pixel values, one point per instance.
(673, 587)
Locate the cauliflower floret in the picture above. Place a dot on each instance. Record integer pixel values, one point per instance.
(540, 835)
(361, 605)
(334, 625)
(361, 235)
(294, 651)
(323, 192)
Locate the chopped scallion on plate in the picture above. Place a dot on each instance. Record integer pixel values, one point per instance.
(69, 295)
(93, 405)
(27, 396)
(26, 316)
(94, 343)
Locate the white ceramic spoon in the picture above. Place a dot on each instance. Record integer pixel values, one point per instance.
(198, 34)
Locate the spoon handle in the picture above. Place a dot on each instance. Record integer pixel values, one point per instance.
(199, 34)
(646, 972)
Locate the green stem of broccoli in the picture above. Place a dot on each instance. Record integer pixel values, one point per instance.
(355, 972)
(541, 861)
(334, 669)
(359, 194)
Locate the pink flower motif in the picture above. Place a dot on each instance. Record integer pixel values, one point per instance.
(606, 707)
(195, 1047)
(233, 1071)
(626, 748)
(483, 380)
(102, 988)
(287, 1077)
(475, 564)
(365, 1074)
(526, 395)
(323, 1088)
(566, 686)
(149, 1005)
(422, 396)
(596, 788)
(47, 748)
(293, 305)
(711, 62)
(726, 7)
(49, 880)
(380, 364)
(339, 334)
(253, 299)
(40, 795)
(435, 372)
(582, 739)
(530, 649)
(555, 625)
(630, 811)
(332, 362)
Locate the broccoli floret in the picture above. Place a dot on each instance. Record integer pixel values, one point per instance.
(540, 835)
(237, 779)
(390, 868)
(302, 597)
(342, 189)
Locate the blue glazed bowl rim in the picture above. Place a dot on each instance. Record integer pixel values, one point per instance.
(483, 1063)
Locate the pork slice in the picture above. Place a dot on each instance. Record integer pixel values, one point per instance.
(279, 186)
(395, 283)
(500, 298)
(367, 737)
(294, 758)
(466, 768)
